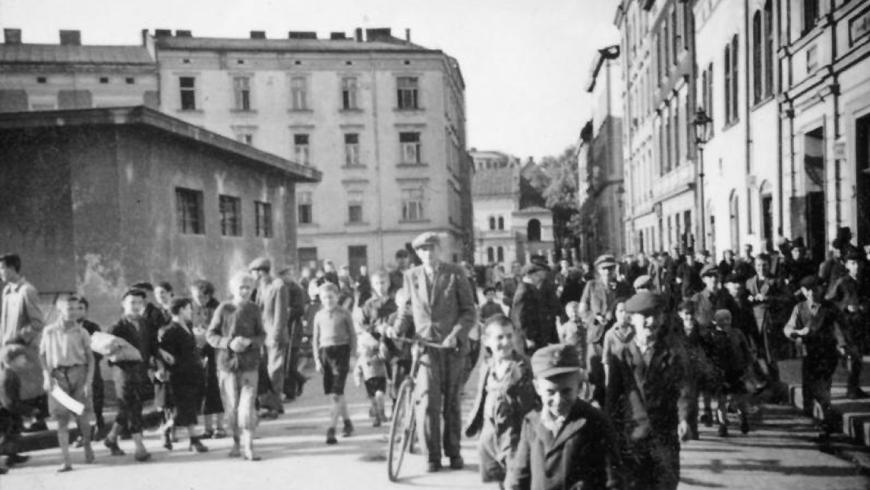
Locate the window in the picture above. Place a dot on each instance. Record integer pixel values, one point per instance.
(812, 58)
(41, 80)
(735, 78)
(407, 88)
(301, 149)
(242, 91)
(307, 256)
(355, 207)
(666, 46)
(351, 149)
(263, 217)
(130, 80)
(811, 13)
(676, 33)
(188, 210)
(501, 223)
(757, 77)
(231, 215)
(533, 230)
(412, 204)
(299, 93)
(245, 137)
(188, 93)
(659, 59)
(490, 255)
(492, 222)
(676, 131)
(768, 48)
(104, 80)
(410, 143)
(500, 254)
(348, 94)
(304, 208)
(709, 103)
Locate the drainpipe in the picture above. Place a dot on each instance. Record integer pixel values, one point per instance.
(377, 163)
(747, 105)
(835, 89)
(779, 106)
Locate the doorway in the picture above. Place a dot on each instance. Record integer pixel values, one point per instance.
(814, 175)
(356, 257)
(767, 216)
(862, 177)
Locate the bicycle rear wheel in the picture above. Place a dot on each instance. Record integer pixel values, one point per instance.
(401, 429)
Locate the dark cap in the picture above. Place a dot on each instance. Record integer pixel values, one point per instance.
(734, 277)
(133, 292)
(554, 360)
(645, 303)
(533, 267)
(428, 238)
(810, 282)
(605, 260)
(709, 270)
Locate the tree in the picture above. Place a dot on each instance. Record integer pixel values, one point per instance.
(560, 193)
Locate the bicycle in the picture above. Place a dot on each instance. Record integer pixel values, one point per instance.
(403, 421)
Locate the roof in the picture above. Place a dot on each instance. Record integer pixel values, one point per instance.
(293, 45)
(55, 53)
(494, 182)
(150, 118)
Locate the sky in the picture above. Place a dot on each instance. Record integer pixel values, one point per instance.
(525, 62)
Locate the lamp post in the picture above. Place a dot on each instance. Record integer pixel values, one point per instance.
(701, 124)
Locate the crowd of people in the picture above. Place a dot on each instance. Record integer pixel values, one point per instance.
(590, 375)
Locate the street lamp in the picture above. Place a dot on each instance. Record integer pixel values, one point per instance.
(702, 127)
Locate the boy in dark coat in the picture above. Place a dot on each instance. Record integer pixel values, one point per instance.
(568, 443)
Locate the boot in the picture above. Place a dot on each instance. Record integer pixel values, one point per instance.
(112, 444)
(167, 438)
(347, 431)
(236, 451)
(197, 446)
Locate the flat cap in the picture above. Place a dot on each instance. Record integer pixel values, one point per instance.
(533, 267)
(540, 260)
(556, 359)
(854, 255)
(709, 270)
(645, 303)
(734, 277)
(260, 264)
(429, 238)
(134, 292)
(810, 282)
(642, 282)
(606, 260)
(722, 316)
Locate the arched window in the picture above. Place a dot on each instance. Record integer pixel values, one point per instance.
(640, 241)
(533, 230)
(734, 221)
(490, 255)
(501, 222)
(727, 82)
(768, 48)
(757, 64)
(492, 222)
(735, 78)
(500, 254)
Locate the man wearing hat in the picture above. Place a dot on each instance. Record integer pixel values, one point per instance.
(273, 298)
(851, 294)
(814, 326)
(568, 443)
(648, 397)
(440, 306)
(528, 311)
(596, 312)
(735, 300)
(552, 307)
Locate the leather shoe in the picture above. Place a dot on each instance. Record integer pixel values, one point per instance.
(433, 466)
(456, 463)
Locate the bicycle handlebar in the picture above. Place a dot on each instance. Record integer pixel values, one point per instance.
(421, 342)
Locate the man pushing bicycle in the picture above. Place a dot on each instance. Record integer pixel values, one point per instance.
(440, 304)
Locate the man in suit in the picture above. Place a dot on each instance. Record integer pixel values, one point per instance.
(528, 311)
(274, 302)
(440, 307)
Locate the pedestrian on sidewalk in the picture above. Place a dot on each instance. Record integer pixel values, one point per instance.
(814, 326)
(505, 395)
(98, 391)
(851, 294)
(732, 358)
(527, 312)
(376, 316)
(568, 443)
(700, 367)
(294, 380)
(333, 339)
(163, 395)
(236, 332)
(371, 372)
(186, 378)
(274, 302)
(130, 374)
(204, 306)
(13, 360)
(68, 365)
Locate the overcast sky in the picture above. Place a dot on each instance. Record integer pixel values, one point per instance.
(525, 62)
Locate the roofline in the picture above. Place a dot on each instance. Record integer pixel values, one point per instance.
(276, 45)
(141, 115)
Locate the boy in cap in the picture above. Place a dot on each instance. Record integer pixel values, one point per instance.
(489, 308)
(732, 360)
(572, 331)
(568, 443)
(505, 395)
(814, 325)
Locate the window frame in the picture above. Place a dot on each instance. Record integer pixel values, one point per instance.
(407, 97)
(351, 150)
(242, 92)
(230, 211)
(263, 219)
(304, 201)
(413, 145)
(349, 93)
(299, 93)
(413, 204)
(302, 151)
(190, 91)
(190, 219)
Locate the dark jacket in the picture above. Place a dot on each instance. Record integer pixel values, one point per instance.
(583, 455)
(528, 314)
(179, 342)
(513, 404)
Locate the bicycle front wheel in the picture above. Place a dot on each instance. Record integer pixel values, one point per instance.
(401, 429)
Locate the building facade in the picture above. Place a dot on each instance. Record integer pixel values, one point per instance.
(381, 117)
(70, 75)
(601, 174)
(658, 68)
(95, 200)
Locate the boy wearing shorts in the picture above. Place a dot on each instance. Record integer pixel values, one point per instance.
(68, 364)
(333, 339)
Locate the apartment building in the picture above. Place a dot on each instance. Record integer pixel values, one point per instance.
(382, 118)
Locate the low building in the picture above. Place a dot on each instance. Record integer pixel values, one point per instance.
(95, 200)
(71, 75)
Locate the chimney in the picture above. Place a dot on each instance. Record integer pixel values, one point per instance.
(407, 35)
(336, 36)
(70, 38)
(379, 34)
(258, 34)
(12, 36)
(183, 33)
(158, 33)
(302, 35)
(358, 35)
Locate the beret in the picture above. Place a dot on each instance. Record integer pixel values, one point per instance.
(555, 359)
(644, 303)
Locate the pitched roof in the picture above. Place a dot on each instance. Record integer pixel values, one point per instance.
(494, 182)
(297, 45)
(55, 53)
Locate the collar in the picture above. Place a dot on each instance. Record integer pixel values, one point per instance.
(552, 424)
(16, 285)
